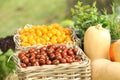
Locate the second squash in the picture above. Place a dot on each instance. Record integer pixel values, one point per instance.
(97, 42)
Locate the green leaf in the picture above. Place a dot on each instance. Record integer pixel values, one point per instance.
(2, 58)
(9, 52)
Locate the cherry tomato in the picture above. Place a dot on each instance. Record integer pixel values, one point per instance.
(69, 59)
(31, 50)
(58, 57)
(64, 47)
(60, 46)
(56, 62)
(50, 50)
(44, 48)
(32, 60)
(25, 60)
(75, 50)
(32, 54)
(23, 65)
(51, 56)
(59, 50)
(57, 53)
(42, 62)
(64, 54)
(48, 62)
(62, 60)
(70, 52)
(38, 56)
(42, 57)
(35, 52)
(43, 53)
(21, 54)
(53, 47)
(36, 64)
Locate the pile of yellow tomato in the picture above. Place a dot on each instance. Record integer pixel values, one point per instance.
(45, 34)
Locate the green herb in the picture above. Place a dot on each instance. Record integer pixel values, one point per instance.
(85, 16)
(6, 66)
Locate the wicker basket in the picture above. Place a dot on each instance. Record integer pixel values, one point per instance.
(17, 40)
(74, 71)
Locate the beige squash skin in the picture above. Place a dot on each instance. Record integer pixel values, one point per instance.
(97, 42)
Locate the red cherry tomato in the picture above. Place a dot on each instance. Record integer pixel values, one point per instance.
(59, 50)
(36, 64)
(32, 60)
(51, 56)
(64, 47)
(69, 59)
(58, 57)
(64, 54)
(32, 55)
(62, 60)
(43, 53)
(50, 50)
(70, 52)
(38, 56)
(42, 62)
(75, 50)
(31, 50)
(44, 48)
(25, 60)
(55, 62)
(42, 57)
(23, 65)
(21, 54)
(48, 62)
(57, 53)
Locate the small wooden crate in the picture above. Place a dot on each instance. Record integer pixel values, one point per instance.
(74, 71)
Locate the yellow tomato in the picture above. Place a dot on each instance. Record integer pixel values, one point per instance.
(45, 37)
(23, 38)
(44, 30)
(60, 40)
(49, 34)
(38, 32)
(50, 28)
(25, 44)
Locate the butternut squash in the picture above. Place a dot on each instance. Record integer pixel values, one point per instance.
(103, 69)
(97, 42)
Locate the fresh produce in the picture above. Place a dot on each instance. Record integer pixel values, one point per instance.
(7, 43)
(52, 34)
(103, 69)
(114, 51)
(85, 16)
(6, 63)
(48, 55)
(97, 42)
